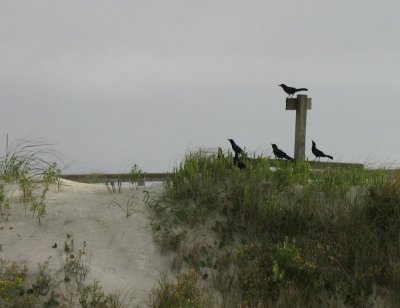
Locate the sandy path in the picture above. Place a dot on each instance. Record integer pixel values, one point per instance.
(123, 253)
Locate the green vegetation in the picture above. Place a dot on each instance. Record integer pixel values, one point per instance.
(281, 233)
(52, 175)
(274, 234)
(38, 205)
(110, 184)
(26, 185)
(4, 203)
(136, 176)
(25, 163)
(65, 287)
(185, 292)
(128, 207)
(24, 157)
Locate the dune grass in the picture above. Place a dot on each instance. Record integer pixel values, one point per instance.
(326, 237)
(279, 234)
(29, 164)
(63, 287)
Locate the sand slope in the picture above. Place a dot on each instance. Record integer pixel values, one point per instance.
(123, 253)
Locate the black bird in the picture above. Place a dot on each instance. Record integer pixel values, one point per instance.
(238, 163)
(318, 153)
(237, 149)
(290, 90)
(279, 153)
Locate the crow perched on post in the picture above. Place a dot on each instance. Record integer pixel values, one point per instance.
(318, 153)
(237, 149)
(279, 153)
(290, 90)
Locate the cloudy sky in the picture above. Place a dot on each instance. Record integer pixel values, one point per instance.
(114, 83)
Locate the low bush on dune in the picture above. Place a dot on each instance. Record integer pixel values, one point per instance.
(283, 231)
(63, 287)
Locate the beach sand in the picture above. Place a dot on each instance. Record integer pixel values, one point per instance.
(123, 254)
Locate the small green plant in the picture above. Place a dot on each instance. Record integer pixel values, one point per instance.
(52, 175)
(128, 208)
(25, 157)
(12, 168)
(44, 288)
(92, 295)
(4, 203)
(38, 206)
(290, 263)
(77, 293)
(26, 185)
(136, 176)
(111, 186)
(185, 292)
(12, 283)
(43, 281)
(77, 264)
(278, 275)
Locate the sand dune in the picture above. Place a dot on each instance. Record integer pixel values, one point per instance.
(123, 254)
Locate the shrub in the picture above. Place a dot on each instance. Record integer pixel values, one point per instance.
(52, 175)
(307, 234)
(136, 176)
(45, 289)
(185, 292)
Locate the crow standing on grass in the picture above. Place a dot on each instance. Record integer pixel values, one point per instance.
(290, 90)
(279, 153)
(318, 153)
(238, 163)
(237, 149)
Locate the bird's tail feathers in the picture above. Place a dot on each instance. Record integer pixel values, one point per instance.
(328, 156)
(301, 89)
(288, 157)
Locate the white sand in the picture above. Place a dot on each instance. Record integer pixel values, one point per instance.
(124, 256)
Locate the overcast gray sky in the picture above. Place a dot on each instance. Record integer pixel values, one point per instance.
(120, 82)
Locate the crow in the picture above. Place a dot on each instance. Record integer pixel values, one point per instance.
(279, 153)
(290, 90)
(238, 163)
(318, 153)
(237, 149)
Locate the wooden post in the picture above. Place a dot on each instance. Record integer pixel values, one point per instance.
(301, 104)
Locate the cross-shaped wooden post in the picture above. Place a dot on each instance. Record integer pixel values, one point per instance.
(301, 104)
